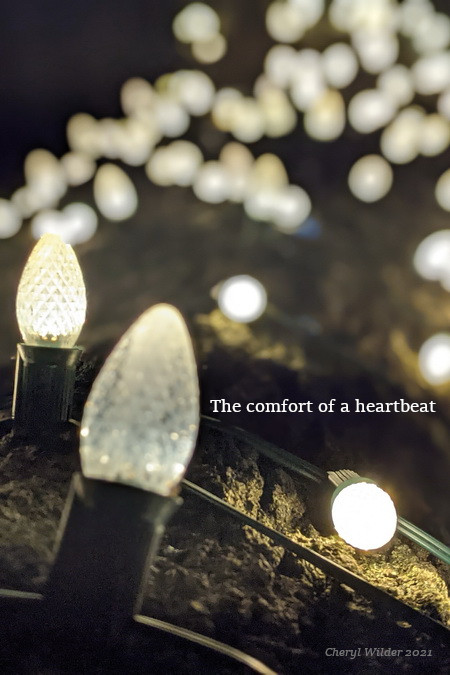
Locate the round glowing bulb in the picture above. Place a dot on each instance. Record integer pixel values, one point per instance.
(224, 107)
(114, 193)
(308, 81)
(291, 208)
(78, 167)
(363, 514)
(196, 22)
(431, 73)
(280, 64)
(340, 65)
(175, 164)
(193, 89)
(210, 51)
(325, 119)
(377, 50)
(81, 222)
(242, 298)
(442, 190)
(432, 256)
(136, 140)
(370, 178)
(83, 134)
(434, 359)
(434, 135)
(432, 33)
(397, 82)
(136, 94)
(247, 121)
(171, 117)
(311, 10)
(443, 104)
(141, 418)
(285, 22)
(370, 109)
(75, 224)
(212, 183)
(45, 175)
(238, 160)
(51, 298)
(400, 140)
(280, 117)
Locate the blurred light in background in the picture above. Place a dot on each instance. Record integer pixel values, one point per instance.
(399, 141)
(75, 224)
(397, 82)
(114, 193)
(195, 23)
(209, 51)
(442, 190)
(242, 298)
(370, 178)
(175, 164)
(82, 134)
(291, 208)
(78, 167)
(434, 359)
(340, 65)
(212, 183)
(325, 119)
(434, 135)
(431, 73)
(432, 256)
(370, 109)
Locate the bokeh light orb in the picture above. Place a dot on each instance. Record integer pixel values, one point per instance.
(363, 514)
(400, 140)
(442, 190)
(370, 178)
(370, 109)
(432, 256)
(284, 22)
(397, 82)
(114, 193)
(211, 50)
(197, 21)
(434, 359)
(242, 298)
(212, 183)
(340, 65)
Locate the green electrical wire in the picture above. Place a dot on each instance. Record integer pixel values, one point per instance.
(400, 610)
(313, 473)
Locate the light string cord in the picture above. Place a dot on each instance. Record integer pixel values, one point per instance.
(18, 601)
(306, 470)
(401, 610)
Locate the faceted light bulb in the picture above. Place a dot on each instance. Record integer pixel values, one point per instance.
(141, 419)
(363, 514)
(51, 298)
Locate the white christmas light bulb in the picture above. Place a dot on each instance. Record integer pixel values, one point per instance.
(363, 514)
(242, 298)
(141, 419)
(51, 298)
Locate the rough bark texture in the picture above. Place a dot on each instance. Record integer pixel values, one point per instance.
(221, 579)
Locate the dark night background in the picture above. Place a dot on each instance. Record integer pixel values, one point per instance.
(355, 283)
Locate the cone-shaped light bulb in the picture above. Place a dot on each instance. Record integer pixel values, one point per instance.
(51, 298)
(141, 419)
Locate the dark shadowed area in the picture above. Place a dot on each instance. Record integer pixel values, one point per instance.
(355, 315)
